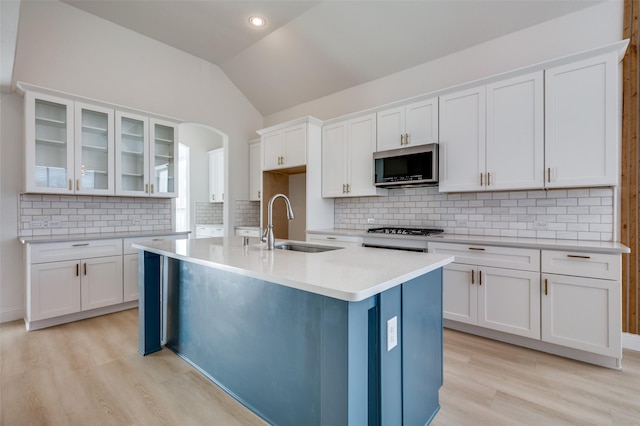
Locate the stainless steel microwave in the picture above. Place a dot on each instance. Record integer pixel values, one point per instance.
(414, 166)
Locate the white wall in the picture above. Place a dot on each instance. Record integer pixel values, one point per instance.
(65, 49)
(589, 28)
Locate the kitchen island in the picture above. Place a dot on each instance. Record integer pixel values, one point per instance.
(351, 336)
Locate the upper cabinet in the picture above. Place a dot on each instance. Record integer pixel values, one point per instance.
(285, 148)
(132, 154)
(216, 175)
(347, 158)
(163, 154)
(408, 125)
(581, 123)
(49, 144)
(255, 171)
(491, 137)
(77, 147)
(94, 149)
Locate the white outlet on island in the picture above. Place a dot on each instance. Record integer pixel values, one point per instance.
(392, 333)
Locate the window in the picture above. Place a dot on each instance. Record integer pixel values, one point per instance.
(182, 202)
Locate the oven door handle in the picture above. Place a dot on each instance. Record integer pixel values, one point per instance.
(420, 250)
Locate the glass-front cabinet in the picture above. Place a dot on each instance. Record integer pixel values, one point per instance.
(132, 154)
(49, 147)
(163, 154)
(94, 150)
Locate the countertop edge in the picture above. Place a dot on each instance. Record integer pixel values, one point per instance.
(43, 239)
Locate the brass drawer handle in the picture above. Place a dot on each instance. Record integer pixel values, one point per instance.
(546, 286)
(548, 174)
(473, 276)
(331, 238)
(479, 277)
(158, 239)
(85, 268)
(80, 245)
(77, 269)
(476, 248)
(577, 256)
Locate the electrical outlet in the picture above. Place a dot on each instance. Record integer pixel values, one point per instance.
(392, 333)
(36, 224)
(55, 224)
(462, 222)
(371, 220)
(539, 225)
(137, 221)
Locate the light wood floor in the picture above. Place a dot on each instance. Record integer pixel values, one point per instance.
(89, 373)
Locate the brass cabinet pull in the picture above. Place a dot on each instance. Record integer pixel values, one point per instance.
(488, 179)
(476, 248)
(548, 174)
(70, 184)
(213, 197)
(258, 194)
(481, 181)
(401, 139)
(152, 188)
(158, 239)
(577, 256)
(473, 276)
(546, 286)
(80, 245)
(344, 188)
(331, 238)
(146, 188)
(479, 277)
(77, 184)
(85, 268)
(348, 188)
(406, 138)
(77, 270)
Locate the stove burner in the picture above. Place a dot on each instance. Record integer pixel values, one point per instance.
(405, 231)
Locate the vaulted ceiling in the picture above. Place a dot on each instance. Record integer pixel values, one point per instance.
(310, 48)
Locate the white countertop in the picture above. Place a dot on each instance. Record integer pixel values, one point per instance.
(610, 247)
(36, 239)
(350, 273)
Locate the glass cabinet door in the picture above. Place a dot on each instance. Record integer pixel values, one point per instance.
(132, 154)
(49, 144)
(94, 165)
(164, 148)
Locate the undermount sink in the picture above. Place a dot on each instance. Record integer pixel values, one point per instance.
(306, 248)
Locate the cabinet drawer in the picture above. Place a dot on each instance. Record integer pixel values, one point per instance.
(499, 257)
(127, 249)
(248, 232)
(54, 252)
(335, 240)
(595, 265)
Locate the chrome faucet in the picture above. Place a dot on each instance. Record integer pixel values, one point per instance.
(268, 236)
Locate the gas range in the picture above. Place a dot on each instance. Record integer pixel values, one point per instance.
(386, 238)
(405, 231)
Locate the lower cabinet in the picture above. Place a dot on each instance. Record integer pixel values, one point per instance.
(564, 302)
(130, 277)
(63, 278)
(583, 310)
(335, 240)
(500, 299)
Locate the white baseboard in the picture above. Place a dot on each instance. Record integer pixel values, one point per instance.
(631, 341)
(11, 314)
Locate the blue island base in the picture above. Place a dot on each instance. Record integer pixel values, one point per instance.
(299, 358)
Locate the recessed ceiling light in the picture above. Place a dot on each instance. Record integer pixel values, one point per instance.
(257, 21)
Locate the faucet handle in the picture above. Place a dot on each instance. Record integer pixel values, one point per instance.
(264, 235)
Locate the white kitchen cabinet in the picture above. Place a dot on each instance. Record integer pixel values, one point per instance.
(491, 137)
(69, 146)
(515, 134)
(163, 157)
(408, 125)
(581, 301)
(216, 175)
(347, 158)
(70, 277)
(49, 144)
(146, 154)
(504, 298)
(132, 154)
(284, 148)
(94, 150)
(255, 171)
(582, 114)
(462, 147)
(209, 231)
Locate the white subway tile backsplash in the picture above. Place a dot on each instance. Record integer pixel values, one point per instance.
(80, 214)
(585, 213)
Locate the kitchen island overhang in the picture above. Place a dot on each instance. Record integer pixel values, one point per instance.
(351, 336)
